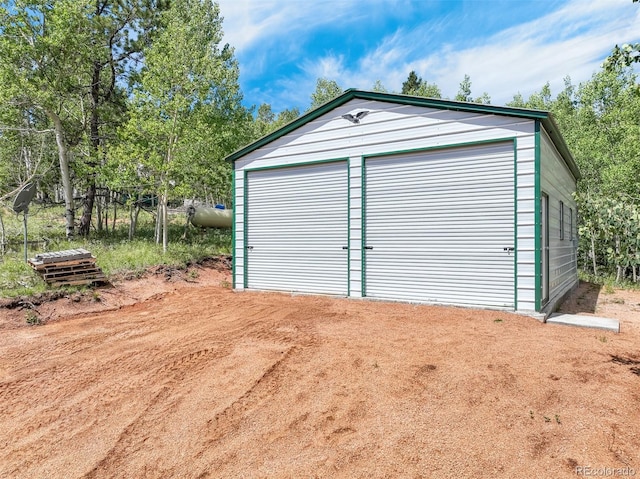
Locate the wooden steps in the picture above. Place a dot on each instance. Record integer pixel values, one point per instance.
(68, 267)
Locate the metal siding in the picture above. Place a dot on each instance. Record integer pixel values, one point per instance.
(525, 220)
(393, 127)
(355, 227)
(438, 223)
(238, 247)
(558, 182)
(388, 127)
(297, 225)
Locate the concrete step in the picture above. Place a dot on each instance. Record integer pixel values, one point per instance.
(607, 324)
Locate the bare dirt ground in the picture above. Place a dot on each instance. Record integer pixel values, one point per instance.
(175, 375)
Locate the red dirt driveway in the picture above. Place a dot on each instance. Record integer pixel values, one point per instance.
(201, 382)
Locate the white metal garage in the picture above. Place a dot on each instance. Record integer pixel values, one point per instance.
(297, 228)
(439, 223)
(404, 198)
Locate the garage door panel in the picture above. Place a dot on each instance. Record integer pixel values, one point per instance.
(455, 196)
(296, 229)
(438, 224)
(451, 183)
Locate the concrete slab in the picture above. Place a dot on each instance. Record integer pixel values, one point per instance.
(607, 324)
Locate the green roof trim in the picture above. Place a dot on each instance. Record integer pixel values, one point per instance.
(544, 116)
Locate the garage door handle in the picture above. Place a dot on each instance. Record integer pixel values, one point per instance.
(249, 248)
(345, 247)
(368, 247)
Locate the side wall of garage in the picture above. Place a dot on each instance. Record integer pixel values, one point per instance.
(558, 183)
(388, 128)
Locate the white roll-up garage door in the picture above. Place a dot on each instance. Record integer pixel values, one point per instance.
(297, 228)
(440, 226)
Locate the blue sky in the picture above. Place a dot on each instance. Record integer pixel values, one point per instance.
(506, 46)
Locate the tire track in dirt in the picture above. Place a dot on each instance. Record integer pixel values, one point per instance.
(67, 381)
(280, 336)
(150, 426)
(210, 383)
(266, 385)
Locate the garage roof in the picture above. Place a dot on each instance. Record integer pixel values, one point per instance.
(544, 116)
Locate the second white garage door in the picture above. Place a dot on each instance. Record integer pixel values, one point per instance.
(439, 226)
(296, 229)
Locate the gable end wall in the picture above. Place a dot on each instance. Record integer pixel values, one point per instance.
(390, 127)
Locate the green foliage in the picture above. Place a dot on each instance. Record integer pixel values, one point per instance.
(63, 65)
(379, 87)
(428, 90)
(464, 93)
(27, 149)
(411, 84)
(17, 278)
(600, 121)
(609, 236)
(518, 101)
(185, 111)
(141, 97)
(610, 114)
(44, 61)
(541, 100)
(32, 318)
(624, 55)
(185, 105)
(326, 90)
(267, 121)
(414, 85)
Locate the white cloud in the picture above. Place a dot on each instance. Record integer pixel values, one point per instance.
(248, 23)
(571, 40)
(331, 66)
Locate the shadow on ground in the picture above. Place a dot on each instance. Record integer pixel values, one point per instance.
(583, 299)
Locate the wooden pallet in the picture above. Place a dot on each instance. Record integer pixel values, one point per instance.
(69, 267)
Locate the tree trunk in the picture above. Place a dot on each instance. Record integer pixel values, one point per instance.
(133, 214)
(87, 205)
(99, 209)
(115, 210)
(65, 173)
(158, 223)
(106, 210)
(2, 237)
(94, 135)
(132, 220)
(619, 270)
(165, 222)
(593, 255)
